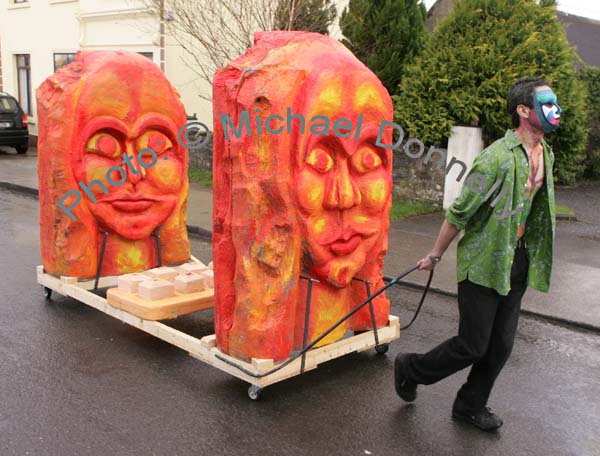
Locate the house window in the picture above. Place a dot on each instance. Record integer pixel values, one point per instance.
(63, 58)
(24, 81)
(148, 55)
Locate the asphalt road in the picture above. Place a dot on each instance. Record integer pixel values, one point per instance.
(74, 381)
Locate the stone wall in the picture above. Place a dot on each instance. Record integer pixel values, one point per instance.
(201, 157)
(414, 178)
(419, 178)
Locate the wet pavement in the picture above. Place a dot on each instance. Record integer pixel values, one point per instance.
(74, 381)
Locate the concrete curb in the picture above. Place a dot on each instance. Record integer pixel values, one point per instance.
(566, 217)
(565, 322)
(192, 229)
(205, 234)
(200, 232)
(20, 188)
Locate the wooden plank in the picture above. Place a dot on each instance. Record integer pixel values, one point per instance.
(104, 282)
(161, 309)
(162, 331)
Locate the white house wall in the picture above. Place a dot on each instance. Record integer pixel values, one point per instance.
(41, 28)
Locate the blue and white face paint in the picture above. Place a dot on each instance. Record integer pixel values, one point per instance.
(547, 108)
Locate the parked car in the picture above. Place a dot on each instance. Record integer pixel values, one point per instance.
(13, 124)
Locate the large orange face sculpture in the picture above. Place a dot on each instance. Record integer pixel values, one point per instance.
(300, 189)
(343, 183)
(108, 140)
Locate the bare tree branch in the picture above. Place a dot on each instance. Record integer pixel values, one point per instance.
(213, 32)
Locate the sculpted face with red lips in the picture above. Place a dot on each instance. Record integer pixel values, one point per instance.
(99, 114)
(311, 200)
(149, 192)
(344, 183)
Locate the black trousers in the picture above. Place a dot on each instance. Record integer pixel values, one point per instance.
(488, 323)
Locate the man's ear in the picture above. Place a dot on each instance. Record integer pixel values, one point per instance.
(523, 111)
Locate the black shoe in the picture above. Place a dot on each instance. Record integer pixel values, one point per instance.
(405, 388)
(484, 418)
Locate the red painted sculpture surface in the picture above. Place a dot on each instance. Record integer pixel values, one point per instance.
(293, 196)
(96, 116)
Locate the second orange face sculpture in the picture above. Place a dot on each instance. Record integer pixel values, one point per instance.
(309, 201)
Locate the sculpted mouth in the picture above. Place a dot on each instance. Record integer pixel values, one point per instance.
(345, 246)
(131, 204)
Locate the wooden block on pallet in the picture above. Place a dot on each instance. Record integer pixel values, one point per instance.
(195, 267)
(164, 272)
(162, 309)
(130, 282)
(189, 283)
(208, 342)
(155, 289)
(262, 365)
(209, 278)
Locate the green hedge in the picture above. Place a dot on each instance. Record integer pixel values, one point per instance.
(473, 57)
(591, 78)
(385, 35)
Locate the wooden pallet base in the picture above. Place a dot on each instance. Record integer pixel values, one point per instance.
(205, 349)
(358, 343)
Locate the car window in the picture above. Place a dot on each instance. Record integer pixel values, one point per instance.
(7, 104)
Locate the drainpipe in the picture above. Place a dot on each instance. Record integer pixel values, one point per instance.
(162, 35)
(1, 81)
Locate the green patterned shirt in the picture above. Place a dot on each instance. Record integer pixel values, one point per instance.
(488, 214)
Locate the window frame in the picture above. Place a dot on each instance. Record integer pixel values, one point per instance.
(69, 59)
(27, 108)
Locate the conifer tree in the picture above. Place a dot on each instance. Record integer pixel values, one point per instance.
(473, 57)
(385, 35)
(306, 15)
(591, 79)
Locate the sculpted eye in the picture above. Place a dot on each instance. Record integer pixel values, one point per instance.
(104, 144)
(320, 160)
(366, 159)
(155, 140)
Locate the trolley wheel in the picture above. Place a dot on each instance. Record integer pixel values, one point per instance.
(254, 392)
(47, 293)
(382, 348)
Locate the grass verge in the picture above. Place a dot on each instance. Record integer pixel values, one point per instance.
(565, 212)
(200, 176)
(402, 209)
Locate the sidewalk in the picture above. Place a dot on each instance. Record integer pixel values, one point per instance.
(573, 297)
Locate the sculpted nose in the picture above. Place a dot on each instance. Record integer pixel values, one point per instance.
(343, 192)
(135, 172)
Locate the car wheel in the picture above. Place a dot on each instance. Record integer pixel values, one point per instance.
(22, 149)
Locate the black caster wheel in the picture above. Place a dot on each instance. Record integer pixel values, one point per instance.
(47, 293)
(382, 348)
(254, 392)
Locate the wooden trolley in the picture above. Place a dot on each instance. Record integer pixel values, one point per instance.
(259, 373)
